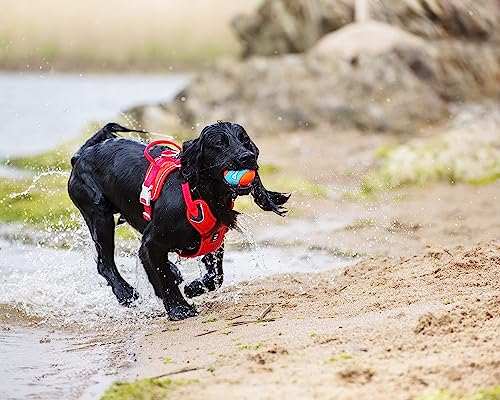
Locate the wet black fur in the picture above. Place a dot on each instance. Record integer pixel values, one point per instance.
(107, 177)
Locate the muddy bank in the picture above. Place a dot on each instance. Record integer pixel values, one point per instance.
(397, 327)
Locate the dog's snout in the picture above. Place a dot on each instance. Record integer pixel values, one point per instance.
(247, 157)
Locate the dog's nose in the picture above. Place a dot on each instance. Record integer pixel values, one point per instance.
(247, 157)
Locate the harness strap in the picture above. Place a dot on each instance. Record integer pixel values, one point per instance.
(198, 212)
(150, 158)
(186, 192)
(158, 170)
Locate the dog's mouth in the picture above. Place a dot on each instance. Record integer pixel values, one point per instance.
(240, 181)
(242, 190)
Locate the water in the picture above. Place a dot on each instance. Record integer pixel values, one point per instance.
(56, 337)
(62, 332)
(61, 328)
(39, 111)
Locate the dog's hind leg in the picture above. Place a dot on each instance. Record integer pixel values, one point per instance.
(154, 257)
(99, 218)
(213, 278)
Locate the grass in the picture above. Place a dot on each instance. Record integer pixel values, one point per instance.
(338, 357)
(274, 179)
(250, 346)
(360, 224)
(144, 389)
(492, 393)
(458, 156)
(42, 202)
(336, 251)
(56, 159)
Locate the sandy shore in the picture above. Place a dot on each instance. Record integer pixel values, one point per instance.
(386, 326)
(420, 312)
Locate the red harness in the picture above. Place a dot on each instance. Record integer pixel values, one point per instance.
(198, 213)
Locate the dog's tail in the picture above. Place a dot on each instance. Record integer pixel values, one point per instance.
(106, 132)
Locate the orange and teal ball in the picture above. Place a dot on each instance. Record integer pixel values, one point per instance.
(242, 177)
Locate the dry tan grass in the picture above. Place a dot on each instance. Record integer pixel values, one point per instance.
(117, 32)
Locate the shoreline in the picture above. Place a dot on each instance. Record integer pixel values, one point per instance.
(384, 325)
(416, 315)
(406, 319)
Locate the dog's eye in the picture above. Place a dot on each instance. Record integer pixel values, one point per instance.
(220, 141)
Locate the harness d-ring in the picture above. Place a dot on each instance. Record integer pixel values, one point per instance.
(163, 142)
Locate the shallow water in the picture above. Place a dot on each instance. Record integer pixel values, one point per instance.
(62, 330)
(39, 111)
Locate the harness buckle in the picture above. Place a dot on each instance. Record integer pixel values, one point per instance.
(145, 197)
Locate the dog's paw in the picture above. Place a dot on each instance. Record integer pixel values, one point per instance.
(181, 311)
(126, 296)
(195, 288)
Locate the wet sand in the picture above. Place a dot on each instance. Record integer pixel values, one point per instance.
(420, 312)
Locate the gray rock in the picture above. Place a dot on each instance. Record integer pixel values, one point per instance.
(399, 86)
(293, 26)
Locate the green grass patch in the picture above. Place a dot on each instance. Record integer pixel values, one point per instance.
(56, 159)
(167, 360)
(250, 346)
(274, 179)
(126, 232)
(268, 169)
(144, 389)
(338, 357)
(300, 186)
(461, 156)
(155, 52)
(42, 201)
(210, 320)
(48, 51)
(492, 393)
(360, 224)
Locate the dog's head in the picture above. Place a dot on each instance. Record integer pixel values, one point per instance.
(226, 146)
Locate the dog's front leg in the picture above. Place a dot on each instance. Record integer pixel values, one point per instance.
(154, 257)
(212, 280)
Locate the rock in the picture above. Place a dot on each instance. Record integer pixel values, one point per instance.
(370, 76)
(391, 89)
(370, 38)
(290, 26)
(281, 26)
(153, 118)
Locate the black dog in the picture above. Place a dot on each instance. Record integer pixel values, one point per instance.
(106, 179)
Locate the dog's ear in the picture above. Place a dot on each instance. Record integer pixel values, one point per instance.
(191, 161)
(268, 200)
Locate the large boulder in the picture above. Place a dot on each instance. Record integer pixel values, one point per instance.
(388, 88)
(293, 26)
(289, 26)
(369, 76)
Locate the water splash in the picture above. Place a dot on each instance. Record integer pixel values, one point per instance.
(35, 180)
